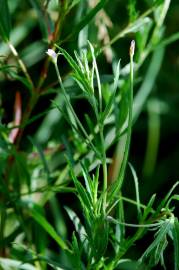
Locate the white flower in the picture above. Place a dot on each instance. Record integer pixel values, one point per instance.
(52, 54)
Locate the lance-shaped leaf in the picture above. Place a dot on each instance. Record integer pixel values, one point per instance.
(5, 22)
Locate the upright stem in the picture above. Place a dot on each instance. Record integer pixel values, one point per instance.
(105, 177)
(129, 128)
(104, 165)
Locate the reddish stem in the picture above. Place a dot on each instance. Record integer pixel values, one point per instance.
(17, 117)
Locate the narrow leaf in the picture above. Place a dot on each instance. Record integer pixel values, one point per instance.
(47, 227)
(136, 190)
(175, 233)
(82, 194)
(77, 223)
(162, 232)
(164, 201)
(24, 80)
(131, 28)
(148, 208)
(148, 83)
(42, 156)
(85, 21)
(44, 20)
(5, 23)
(108, 106)
(10, 264)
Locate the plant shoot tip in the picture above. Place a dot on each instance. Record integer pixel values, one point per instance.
(132, 48)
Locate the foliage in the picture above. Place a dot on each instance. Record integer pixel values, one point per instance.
(74, 90)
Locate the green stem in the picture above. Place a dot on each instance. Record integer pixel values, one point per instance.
(104, 165)
(130, 242)
(105, 177)
(129, 129)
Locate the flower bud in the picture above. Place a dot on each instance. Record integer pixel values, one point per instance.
(132, 48)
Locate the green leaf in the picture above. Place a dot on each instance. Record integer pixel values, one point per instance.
(70, 60)
(76, 251)
(137, 25)
(72, 4)
(77, 223)
(47, 227)
(157, 256)
(159, 241)
(42, 156)
(18, 34)
(174, 197)
(33, 53)
(44, 20)
(113, 95)
(148, 208)
(99, 241)
(128, 264)
(10, 264)
(52, 263)
(90, 123)
(79, 75)
(5, 22)
(20, 170)
(175, 234)
(85, 21)
(83, 196)
(169, 40)
(148, 83)
(24, 80)
(166, 199)
(121, 110)
(136, 182)
(120, 177)
(142, 36)
(88, 181)
(75, 259)
(131, 28)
